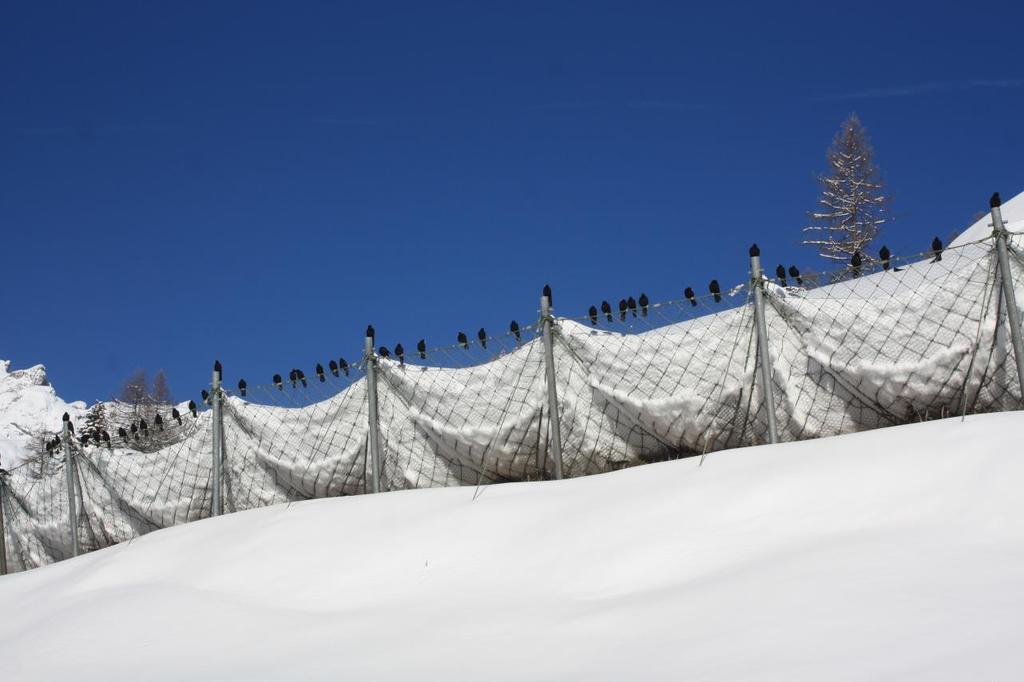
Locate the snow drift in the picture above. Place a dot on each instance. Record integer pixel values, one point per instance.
(892, 554)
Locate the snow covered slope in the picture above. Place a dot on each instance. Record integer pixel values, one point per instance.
(28, 405)
(894, 554)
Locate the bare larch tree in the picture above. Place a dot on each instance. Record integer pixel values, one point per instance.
(853, 205)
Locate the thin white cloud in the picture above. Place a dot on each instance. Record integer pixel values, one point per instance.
(925, 88)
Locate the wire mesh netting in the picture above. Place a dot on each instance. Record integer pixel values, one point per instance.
(878, 344)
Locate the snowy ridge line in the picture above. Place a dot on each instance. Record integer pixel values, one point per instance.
(884, 348)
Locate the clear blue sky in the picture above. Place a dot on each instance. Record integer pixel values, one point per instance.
(257, 182)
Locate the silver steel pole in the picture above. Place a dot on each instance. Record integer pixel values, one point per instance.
(554, 423)
(1009, 296)
(69, 471)
(218, 443)
(371, 399)
(3, 541)
(757, 284)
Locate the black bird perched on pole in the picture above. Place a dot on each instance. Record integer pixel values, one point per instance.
(192, 408)
(995, 201)
(593, 315)
(176, 415)
(482, 335)
(159, 421)
(884, 255)
(463, 341)
(716, 290)
(320, 373)
(293, 376)
(384, 352)
(278, 382)
(218, 369)
(343, 365)
(755, 250)
(421, 348)
(302, 377)
(631, 304)
(135, 431)
(644, 304)
(206, 396)
(400, 354)
(514, 328)
(623, 307)
(780, 273)
(855, 263)
(937, 249)
(106, 438)
(143, 426)
(606, 308)
(795, 274)
(547, 292)
(690, 296)
(334, 367)
(370, 333)
(67, 418)
(241, 387)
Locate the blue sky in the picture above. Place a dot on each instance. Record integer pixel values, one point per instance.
(256, 182)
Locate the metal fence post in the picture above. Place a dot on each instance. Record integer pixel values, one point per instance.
(764, 359)
(1009, 296)
(3, 541)
(554, 423)
(216, 398)
(371, 399)
(69, 471)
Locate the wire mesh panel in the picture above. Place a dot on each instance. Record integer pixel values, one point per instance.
(921, 339)
(479, 419)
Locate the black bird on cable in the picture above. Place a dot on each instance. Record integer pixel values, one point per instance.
(143, 426)
(547, 292)
(343, 365)
(206, 396)
(855, 263)
(71, 427)
(106, 438)
(278, 382)
(593, 315)
(795, 274)
(370, 333)
(631, 304)
(192, 408)
(780, 273)
(606, 308)
(135, 431)
(84, 440)
(320, 373)
(884, 255)
(644, 304)
(159, 421)
(333, 365)
(400, 354)
(463, 341)
(176, 415)
(937, 249)
(421, 348)
(293, 376)
(514, 328)
(690, 296)
(482, 335)
(384, 352)
(715, 290)
(241, 387)
(218, 369)
(302, 377)
(623, 307)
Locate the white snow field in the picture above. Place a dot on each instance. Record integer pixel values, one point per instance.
(893, 554)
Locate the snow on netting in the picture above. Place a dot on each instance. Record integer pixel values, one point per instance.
(851, 349)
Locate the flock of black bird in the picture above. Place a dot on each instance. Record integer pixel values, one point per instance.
(627, 306)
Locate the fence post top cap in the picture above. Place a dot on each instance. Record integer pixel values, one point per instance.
(995, 201)
(754, 250)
